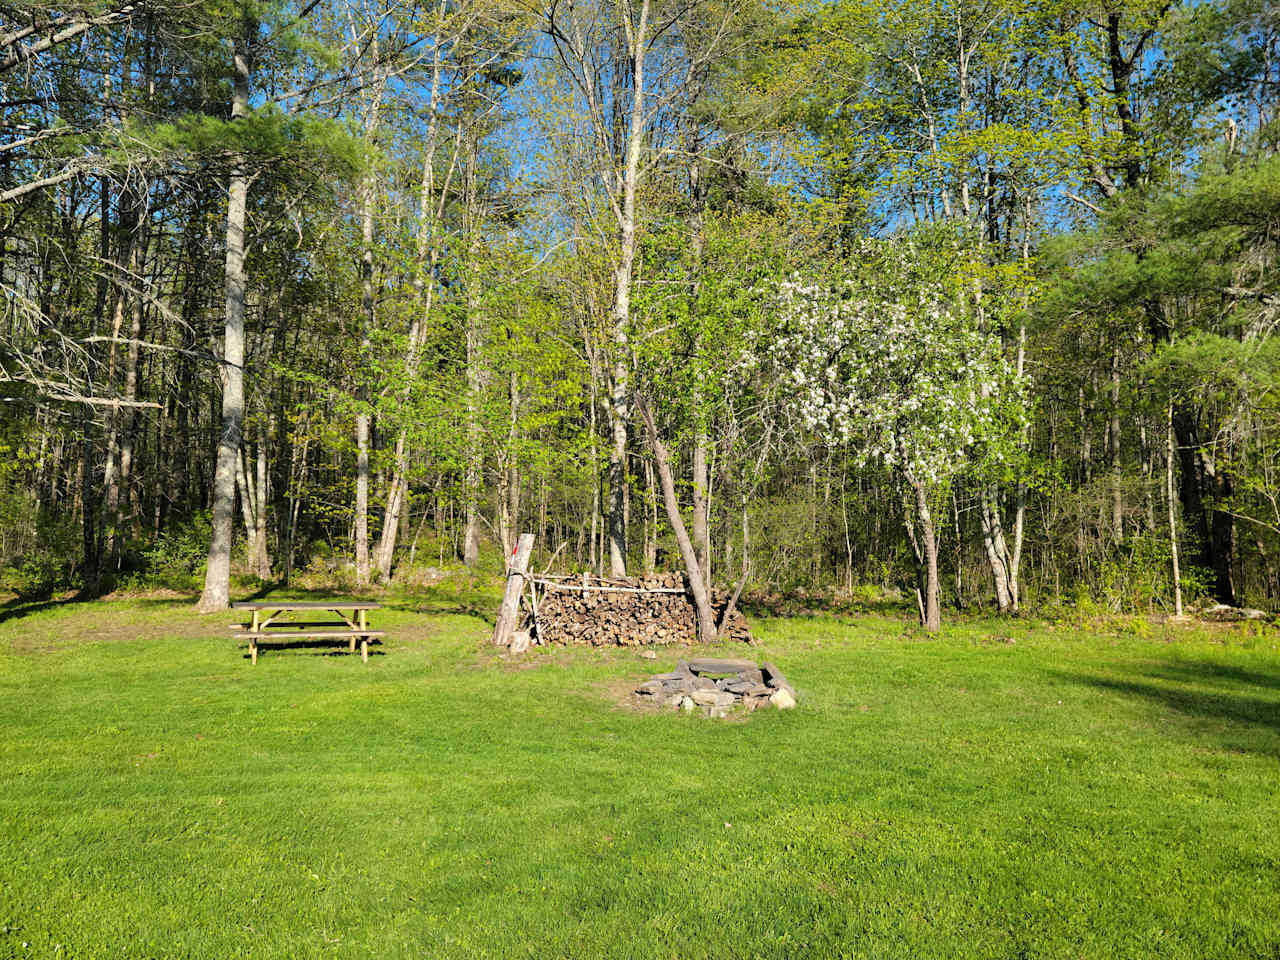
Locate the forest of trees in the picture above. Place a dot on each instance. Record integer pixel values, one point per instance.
(970, 302)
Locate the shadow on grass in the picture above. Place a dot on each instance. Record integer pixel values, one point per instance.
(1217, 673)
(19, 607)
(330, 648)
(1182, 689)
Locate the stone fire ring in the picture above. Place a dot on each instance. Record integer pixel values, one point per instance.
(717, 686)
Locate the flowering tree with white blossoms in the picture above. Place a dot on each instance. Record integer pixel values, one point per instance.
(890, 362)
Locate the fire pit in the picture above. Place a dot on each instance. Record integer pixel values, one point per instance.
(718, 686)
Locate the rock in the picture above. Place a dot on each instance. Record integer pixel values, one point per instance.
(725, 699)
(676, 674)
(740, 687)
(650, 688)
(759, 690)
(683, 685)
(703, 683)
(783, 700)
(752, 676)
(520, 641)
(774, 678)
(676, 700)
(687, 704)
(712, 665)
(1221, 613)
(707, 698)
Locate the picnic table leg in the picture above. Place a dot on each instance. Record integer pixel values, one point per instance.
(253, 641)
(364, 637)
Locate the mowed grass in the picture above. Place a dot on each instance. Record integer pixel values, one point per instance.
(1064, 795)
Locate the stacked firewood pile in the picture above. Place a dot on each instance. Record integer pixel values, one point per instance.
(717, 686)
(621, 612)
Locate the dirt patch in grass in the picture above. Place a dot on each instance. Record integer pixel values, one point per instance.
(56, 625)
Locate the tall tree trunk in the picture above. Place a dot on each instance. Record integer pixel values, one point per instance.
(651, 520)
(127, 261)
(253, 505)
(1117, 500)
(1221, 530)
(707, 631)
(993, 541)
(929, 544)
(620, 315)
(248, 507)
(129, 433)
(701, 477)
(427, 255)
(373, 108)
(1173, 521)
(262, 562)
(90, 502)
(597, 563)
(362, 415)
(473, 466)
(509, 475)
(1020, 489)
(217, 584)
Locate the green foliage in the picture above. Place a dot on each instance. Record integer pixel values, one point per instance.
(176, 557)
(304, 145)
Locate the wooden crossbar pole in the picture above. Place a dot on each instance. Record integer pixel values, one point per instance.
(593, 588)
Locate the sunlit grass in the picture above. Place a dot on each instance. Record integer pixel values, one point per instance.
(1061, 795)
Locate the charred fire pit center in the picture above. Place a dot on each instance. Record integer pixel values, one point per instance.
(717, 686)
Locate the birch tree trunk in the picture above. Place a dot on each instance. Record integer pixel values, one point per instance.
(362, 415)
(993, 540)
(253, 505)
(427, 255)
(262, 559)
(509, 475)
(929, 538)
(701, 476)
(474, 456)
(373, 108)
(217, 584)
(620, 315)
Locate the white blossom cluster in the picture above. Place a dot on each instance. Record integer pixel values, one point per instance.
(909, 380)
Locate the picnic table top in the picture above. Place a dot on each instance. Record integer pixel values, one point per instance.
(305, 605)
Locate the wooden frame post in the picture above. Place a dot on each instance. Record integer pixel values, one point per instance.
(517, 571)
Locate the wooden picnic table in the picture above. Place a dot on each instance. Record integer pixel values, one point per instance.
(265, 625)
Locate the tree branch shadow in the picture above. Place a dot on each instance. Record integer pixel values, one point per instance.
(20, 607)
(1204, 692)
(327, 648)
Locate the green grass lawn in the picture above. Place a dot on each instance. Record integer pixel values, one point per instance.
(1065, 795)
